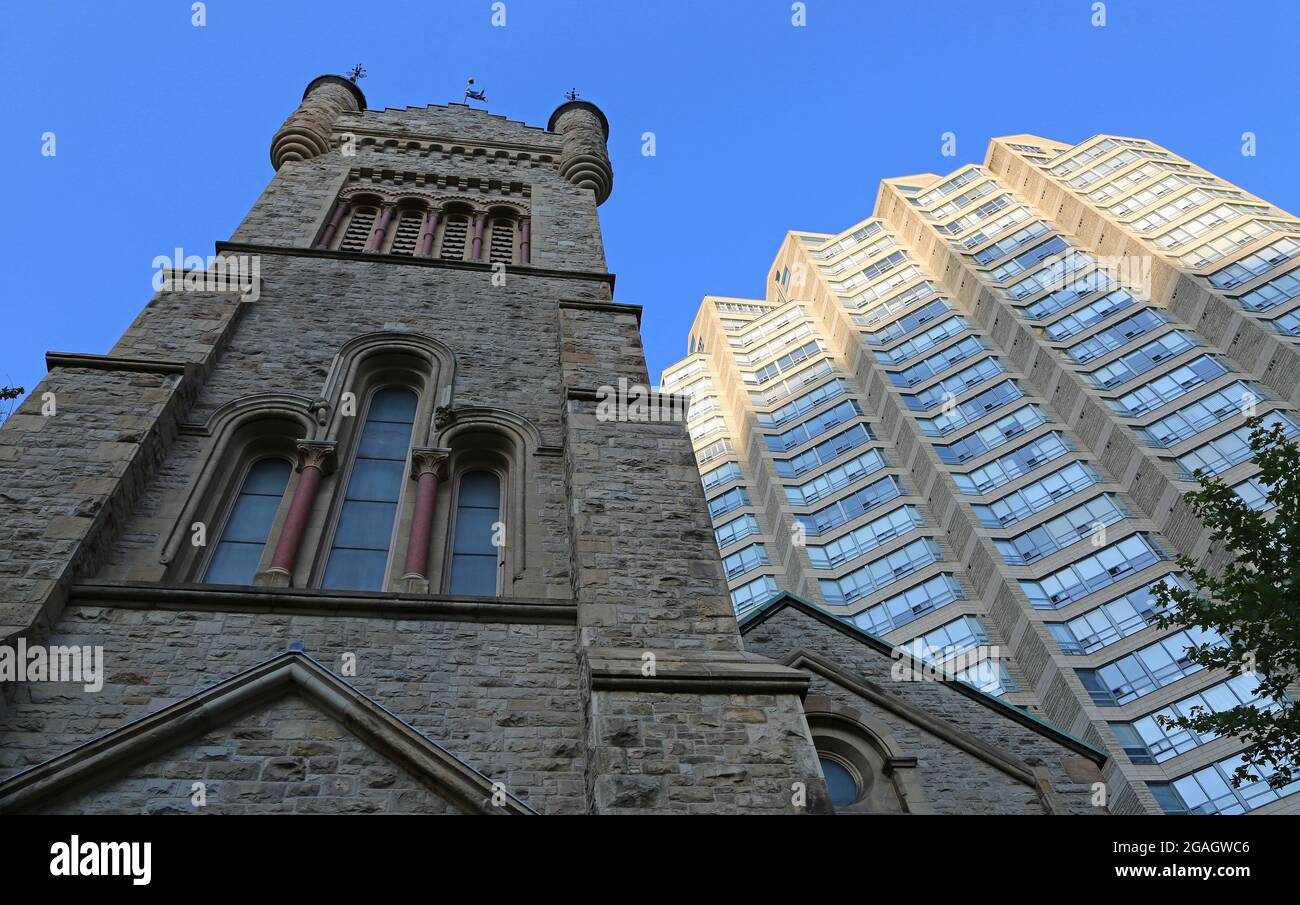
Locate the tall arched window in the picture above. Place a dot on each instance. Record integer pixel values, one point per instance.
(243, 537)
(358, 558)
(475, 552)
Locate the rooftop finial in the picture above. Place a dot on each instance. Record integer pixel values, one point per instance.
(472, 95)
(355, 73)
(571, 94)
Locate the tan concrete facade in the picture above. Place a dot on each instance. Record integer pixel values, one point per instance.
(966, 423)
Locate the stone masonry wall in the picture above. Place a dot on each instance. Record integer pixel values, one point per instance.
(504, 698)
(283, 758)
(566, 230)
(70, 478)
(953, 781)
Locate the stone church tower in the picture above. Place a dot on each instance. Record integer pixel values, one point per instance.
(353, 536)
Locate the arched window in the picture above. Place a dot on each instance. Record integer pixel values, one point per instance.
(475, 552)
(358, 557)
(862, 775)
(248, 525)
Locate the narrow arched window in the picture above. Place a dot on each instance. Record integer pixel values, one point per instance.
(476, 541)
(455, 234)
(358, 558)
(248, 525)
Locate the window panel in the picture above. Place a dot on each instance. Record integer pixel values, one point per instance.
(248, 526)
(359, 551)
(475, 557)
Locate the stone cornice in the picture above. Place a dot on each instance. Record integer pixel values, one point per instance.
(412, 261)
(593, 394)
(695, 672)
(405, 136)
(610, 307)
(384, 605)
(94, 362)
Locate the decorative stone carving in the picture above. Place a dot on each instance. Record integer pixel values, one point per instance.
(429, 460)
(318, 454)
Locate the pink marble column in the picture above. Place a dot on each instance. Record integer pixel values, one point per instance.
(430, 230)
(340, 209)
(476, 250)
(381, 229)
(526, 242)
(315, 459)
(426, 466)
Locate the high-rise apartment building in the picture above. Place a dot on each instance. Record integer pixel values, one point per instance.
(966, 424)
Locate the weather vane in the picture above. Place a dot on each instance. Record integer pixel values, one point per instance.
(472, 95)
(357, 72)
(571, 94)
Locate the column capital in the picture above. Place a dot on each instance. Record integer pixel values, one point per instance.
(319, 454)
(429, 460)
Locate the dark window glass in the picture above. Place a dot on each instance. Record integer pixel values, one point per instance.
(249, 524)
(359, 555)
(840, 782)
(474, 555)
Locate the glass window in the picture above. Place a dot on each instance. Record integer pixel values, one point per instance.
(474, 555)
(840, 782)
(243, 537)
(1209, 790)
(358, 558)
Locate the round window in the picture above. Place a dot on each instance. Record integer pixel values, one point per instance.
(842, 784)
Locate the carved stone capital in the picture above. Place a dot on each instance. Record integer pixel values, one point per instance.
(317, 454)
(429, 460)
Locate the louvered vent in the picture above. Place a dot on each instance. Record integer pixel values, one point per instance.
(407, 233)
(503, 241)
(359, 227)
(453, 238)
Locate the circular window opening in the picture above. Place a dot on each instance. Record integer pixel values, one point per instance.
(841, 782)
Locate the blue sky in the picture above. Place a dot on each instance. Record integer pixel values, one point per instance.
(163, 129)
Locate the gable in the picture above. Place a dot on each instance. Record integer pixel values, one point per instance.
(287, 736)
(945, 746)
(285, 757)
(788, 623)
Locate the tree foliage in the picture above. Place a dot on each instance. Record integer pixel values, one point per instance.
(1253, 602)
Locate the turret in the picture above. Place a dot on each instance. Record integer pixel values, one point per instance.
(585, 158)
(306, 133)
